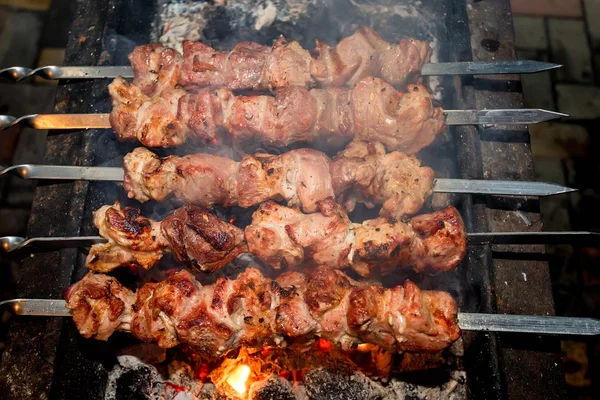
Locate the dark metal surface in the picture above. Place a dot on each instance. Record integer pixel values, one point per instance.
(46, 358)
(532, 367)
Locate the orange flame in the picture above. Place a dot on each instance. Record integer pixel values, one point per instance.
(238, 378)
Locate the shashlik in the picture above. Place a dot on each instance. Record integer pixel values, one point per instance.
(363, 172)
(281, 237)
(372, 111)
(254, 311)
(252, 66)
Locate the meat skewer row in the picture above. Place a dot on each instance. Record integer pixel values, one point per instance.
(281, 237)
(371, 111)
(252, 66)
(254, 311)
(363, 172)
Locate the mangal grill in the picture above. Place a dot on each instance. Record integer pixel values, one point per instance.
(482, 164)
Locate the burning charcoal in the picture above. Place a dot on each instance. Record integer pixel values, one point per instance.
(340, 385)
(273, 388)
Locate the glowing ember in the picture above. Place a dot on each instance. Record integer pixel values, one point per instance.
(364, 347)
(238, 378)
(324, 345)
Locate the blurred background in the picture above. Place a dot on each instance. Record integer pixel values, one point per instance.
(34, 33)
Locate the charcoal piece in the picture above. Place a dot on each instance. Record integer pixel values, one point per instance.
(135, 384)
(326, 384)
(219, 24)
(273, 388)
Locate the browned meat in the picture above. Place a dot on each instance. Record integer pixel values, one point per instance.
(252, 66)
(372, 111)
(195, 236)
(132, 239)
(155, 68)
(199, 238)
(282, 236)
(152, 121)
(405, 122)
(300, 177)
(364, 54)
(363, 172)
(254, 311)
(202, 179)
(100, 305)
(246, 66)
(285, 237)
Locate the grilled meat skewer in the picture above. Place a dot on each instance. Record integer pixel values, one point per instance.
(363, 172)
(252, 310)
(372, 111)
(281, 237)
(252, 66)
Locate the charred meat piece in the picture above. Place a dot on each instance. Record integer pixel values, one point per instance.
(363, 172)
(282, 237)
(199, 238)
(195, 236)
(372, 111)
(254, 311)
(252, 66)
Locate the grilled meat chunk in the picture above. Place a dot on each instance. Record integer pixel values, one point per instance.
(254, 311)
(285, 237)
(364, 54)
(246, 66)
(363, 172)
(372, 111)
(100, 305)
(195, 236)
(199, 238)
(282, 236)
(155, 68)
(252, 66)
(300, 177)
(132, 239)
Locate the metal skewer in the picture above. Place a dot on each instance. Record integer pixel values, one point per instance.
(472, 186)
(451, 68)
(523, 116)
(10, 244)
(466, 321)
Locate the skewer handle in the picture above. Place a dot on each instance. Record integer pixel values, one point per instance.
(18, 74)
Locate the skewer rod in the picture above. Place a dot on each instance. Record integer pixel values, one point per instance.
(520, 116)
(451, 68)
(13, 243)
(471, 186)
(466, 321)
